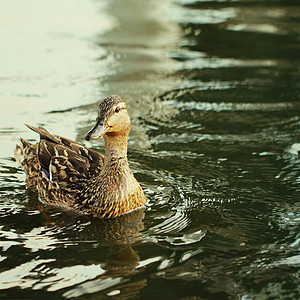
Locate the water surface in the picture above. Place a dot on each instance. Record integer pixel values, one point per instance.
(213, 93)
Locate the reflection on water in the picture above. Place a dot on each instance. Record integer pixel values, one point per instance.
(64, 232)
(213, 92)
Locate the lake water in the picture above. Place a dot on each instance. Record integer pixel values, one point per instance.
(213, 91)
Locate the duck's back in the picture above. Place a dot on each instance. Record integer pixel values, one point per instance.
(56, 164)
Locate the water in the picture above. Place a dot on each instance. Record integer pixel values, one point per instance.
(213, 92)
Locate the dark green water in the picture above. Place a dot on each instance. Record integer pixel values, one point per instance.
(213, 92)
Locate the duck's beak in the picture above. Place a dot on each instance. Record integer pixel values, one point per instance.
(98, 130)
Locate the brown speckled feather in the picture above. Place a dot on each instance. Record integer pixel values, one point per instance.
(55, 165)
(67, 174)
(26, 156)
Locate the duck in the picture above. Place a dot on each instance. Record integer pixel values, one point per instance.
(69, 175)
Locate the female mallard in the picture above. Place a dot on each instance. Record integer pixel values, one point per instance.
(67, 174)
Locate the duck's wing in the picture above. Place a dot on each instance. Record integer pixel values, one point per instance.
(65, 161)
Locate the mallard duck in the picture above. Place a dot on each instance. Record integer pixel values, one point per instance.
(67, 174)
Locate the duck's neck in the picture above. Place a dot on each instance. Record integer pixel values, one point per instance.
(115, 148)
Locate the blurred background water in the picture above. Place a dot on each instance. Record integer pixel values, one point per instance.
(212, 88)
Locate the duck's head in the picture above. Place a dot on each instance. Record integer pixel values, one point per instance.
(112, 119)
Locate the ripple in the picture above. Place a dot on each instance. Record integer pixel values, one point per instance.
(175, 223)
(22, 275)
(202, 16)
(60, 278)
(227, 106)
(187, 239)
(41, 238)
(94, 286)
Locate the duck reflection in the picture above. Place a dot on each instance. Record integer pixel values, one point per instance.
(113, 240)
(95, 255)
(123, 230)
(118, 234)
(121, 259)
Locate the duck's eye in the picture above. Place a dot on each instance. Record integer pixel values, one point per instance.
(117, 109)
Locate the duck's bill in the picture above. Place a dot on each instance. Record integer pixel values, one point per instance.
(97, 131)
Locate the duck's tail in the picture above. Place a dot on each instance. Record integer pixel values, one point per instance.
(26, 157)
